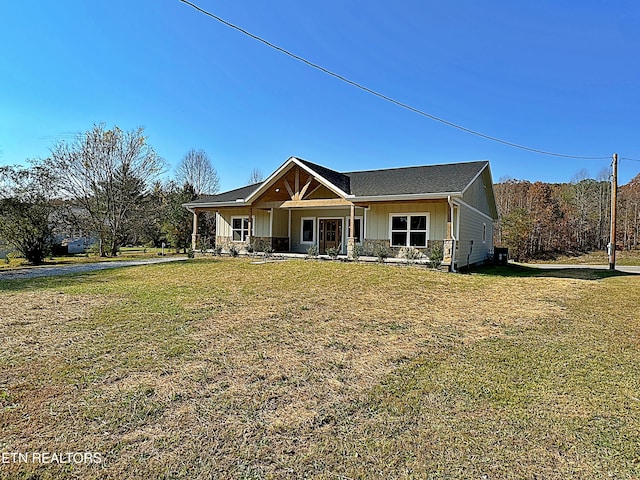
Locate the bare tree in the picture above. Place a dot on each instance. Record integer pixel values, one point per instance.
(196, 169)
(105, 174)
(255, 176)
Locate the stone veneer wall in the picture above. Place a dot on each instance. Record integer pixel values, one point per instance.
(370, 247)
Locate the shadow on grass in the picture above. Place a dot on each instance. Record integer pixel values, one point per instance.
(49, 282)
(513, 270)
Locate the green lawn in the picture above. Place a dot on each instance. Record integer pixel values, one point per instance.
(227, 369)
(624, 257)
(126, 253)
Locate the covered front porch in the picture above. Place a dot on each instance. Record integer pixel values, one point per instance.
(372, 229)
(326, 225)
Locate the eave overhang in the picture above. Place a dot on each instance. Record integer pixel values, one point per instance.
(405, 197)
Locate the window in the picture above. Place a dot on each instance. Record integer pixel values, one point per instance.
(308, 230)
(357, 221)
(484, 233)
(409, 230)
(240, 228)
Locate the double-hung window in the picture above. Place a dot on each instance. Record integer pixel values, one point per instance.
(409, 230)
(240, 228)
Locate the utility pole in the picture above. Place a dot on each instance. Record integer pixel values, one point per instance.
(614, 202)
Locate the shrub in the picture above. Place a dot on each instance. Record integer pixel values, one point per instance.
(358, 250)
(217, 250)
(268, 251)
(233, 250)
(94, 249)
(436, 256)
(312, 251)
(333, 252)
(191, 253)
(381, 252)
(410, 254)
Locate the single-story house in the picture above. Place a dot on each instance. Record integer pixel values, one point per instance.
(302, 204)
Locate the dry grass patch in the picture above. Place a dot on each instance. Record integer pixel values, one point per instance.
(295, 369)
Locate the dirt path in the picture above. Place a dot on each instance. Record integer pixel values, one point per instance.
(53, 270)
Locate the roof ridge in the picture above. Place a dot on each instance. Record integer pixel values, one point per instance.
(416, 166)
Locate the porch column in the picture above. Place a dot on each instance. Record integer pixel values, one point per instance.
(351, 241)
(448, 243)
(194, 234)
(249, 240)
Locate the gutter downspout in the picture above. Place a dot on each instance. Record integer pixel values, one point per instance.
(455, 240)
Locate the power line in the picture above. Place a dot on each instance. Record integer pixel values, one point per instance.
(382, 96)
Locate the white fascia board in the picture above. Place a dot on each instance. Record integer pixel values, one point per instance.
(476, 177)
(493, 195)
(460, 203)
(409, 196)
(269, 181)
(240, 203)
(321, 179)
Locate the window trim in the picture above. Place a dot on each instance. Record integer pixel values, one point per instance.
(347, 224)
(408, 231)
(315, 228)
(242, 230)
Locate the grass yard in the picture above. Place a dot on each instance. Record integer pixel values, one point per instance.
(220, 368)
(126, 253)
(623, 257)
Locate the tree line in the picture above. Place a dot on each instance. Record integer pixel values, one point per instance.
(108, 186)
(541, 220)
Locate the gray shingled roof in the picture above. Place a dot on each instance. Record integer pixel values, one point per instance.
(229, 196)
(338, 179)
(429, 179)
(446, 178)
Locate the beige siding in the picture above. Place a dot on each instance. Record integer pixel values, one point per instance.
(476, 194)
(223, 225)
(280, 223)
(471, 227)
(377, 227)
(321, 192)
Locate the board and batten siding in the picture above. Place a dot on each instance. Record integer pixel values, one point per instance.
(476, 194)
(280, 225)
(378, 218)
(471, 227)
(260, 229)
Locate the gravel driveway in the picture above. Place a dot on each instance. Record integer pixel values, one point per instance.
(50, 271)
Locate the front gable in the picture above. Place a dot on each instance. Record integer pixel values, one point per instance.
(297, 184)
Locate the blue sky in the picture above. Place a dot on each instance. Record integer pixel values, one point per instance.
(557, 76)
